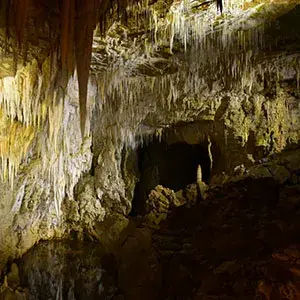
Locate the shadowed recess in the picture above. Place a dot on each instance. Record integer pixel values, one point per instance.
(173, 166)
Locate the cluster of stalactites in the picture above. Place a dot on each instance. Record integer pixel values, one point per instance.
(72, 34)
(15, 140)
(35, 117)
(39, 129)
(220, 52)
(24, 100)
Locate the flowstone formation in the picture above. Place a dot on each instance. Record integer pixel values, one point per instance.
(169, 70)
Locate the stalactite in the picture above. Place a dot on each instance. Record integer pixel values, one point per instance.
(19, 17)
(67, 35)
(220, 5)
(85, 26)
(14, 144)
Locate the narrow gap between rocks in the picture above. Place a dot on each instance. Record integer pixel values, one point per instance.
(173, 166)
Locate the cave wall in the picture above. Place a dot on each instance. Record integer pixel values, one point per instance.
(48, 165)
(64, 185)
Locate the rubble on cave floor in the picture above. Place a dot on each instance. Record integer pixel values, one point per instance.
(242, 242)
(226, 247)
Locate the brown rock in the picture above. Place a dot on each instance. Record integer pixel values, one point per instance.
(139, 272)
(13, 279)
(231, 267)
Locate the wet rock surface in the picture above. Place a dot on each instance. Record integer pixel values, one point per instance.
(67, 270)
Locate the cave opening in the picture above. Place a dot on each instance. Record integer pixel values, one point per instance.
(171, 165)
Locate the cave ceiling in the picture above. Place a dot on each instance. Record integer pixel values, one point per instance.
(144, 38)
(139, 54)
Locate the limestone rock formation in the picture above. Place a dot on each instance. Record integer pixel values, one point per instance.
(173, 70)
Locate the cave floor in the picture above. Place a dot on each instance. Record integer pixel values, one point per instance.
(242, 242)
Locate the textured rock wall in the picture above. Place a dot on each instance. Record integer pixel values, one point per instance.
(247, 102)
(47, 172)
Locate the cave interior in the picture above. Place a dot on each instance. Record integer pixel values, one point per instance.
(150, 149)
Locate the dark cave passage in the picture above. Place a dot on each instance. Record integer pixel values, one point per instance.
(174, 166)
(179, 165)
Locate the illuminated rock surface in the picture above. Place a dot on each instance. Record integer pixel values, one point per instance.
(172, 73)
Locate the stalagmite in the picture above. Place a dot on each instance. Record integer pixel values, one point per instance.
(202, 186)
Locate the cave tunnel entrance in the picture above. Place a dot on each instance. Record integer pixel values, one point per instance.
(174, 166)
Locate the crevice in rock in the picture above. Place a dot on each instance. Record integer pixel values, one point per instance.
(172, 165)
